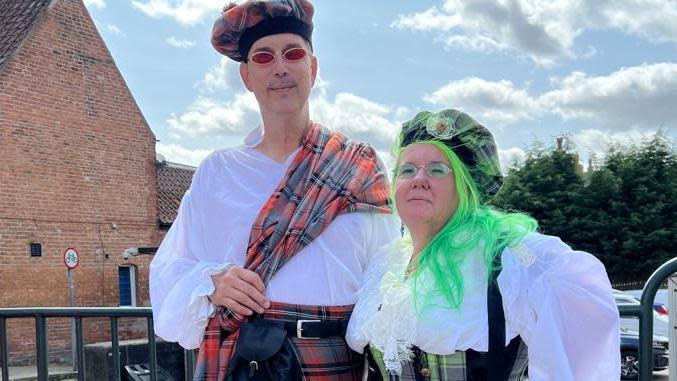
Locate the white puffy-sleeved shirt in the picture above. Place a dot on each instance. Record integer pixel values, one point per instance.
(558, 300)
(211, 232)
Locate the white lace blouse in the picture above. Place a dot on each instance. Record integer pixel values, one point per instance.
(212, 230)
(558, 300)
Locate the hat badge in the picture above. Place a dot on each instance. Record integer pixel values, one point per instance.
(439, 128)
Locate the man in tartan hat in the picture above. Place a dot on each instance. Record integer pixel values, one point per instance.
(272, 237)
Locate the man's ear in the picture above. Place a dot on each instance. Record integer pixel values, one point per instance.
(313, 69)
(244, 74)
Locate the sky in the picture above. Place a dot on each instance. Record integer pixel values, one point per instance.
(530, 70)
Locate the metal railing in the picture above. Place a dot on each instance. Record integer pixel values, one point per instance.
(645, 314)
(114, 313)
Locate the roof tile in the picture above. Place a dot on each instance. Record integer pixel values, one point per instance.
(173, 182)
(17, 17)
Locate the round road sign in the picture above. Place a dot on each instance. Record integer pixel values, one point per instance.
(71, 258)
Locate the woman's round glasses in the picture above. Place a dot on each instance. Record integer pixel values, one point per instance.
(434, 170)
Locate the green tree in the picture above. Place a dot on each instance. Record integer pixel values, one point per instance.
(634, 195)
(625, 212)
(545, 187)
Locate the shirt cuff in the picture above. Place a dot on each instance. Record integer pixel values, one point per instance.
(200, 307)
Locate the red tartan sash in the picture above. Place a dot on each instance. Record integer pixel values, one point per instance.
(330, 176)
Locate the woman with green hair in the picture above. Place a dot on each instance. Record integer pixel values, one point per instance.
(470, 292)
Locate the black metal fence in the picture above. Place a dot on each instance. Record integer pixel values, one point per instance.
(113, 313)
(645, 314)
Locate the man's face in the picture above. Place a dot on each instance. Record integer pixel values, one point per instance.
(281, 86)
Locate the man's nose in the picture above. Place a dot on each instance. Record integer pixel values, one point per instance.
(280, 67)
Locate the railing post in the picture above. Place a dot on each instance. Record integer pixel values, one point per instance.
(41, 344)
(4, 349)
(646, 317)
(672, 323)
(189, 363)
(152, 354)
(79, 343)
(115, 347)
(43, 314)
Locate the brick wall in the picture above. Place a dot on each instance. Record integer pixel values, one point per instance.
(77, 169)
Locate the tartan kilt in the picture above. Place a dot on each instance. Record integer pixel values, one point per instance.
(453, 367)
(321, 359)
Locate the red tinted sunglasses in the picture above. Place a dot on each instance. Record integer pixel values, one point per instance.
(293, 54)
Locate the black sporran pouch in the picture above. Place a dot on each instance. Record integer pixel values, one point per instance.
(264, 353)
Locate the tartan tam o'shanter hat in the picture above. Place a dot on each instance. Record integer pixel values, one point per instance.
(470, 141)
(241, 25)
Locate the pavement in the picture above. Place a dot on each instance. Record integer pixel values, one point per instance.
(64, 372)
(57, 372)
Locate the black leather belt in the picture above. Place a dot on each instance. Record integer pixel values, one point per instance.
(316, 329)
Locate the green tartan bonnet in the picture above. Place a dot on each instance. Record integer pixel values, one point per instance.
(470, 141)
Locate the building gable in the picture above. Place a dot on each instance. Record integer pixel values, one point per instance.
(69, 123)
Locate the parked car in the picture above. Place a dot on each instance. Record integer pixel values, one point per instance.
(660, 304)
(661, 324)
(630, 354)
(661, 309)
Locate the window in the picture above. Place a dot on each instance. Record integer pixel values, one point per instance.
(36, 250)
(127, 285)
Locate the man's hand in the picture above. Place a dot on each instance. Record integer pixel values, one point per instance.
(241, 291)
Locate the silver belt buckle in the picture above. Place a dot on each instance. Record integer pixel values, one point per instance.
(299, 329)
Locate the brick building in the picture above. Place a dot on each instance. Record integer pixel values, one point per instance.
(78, 169)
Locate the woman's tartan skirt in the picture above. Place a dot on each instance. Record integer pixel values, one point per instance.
(454, 367)
(321, 359)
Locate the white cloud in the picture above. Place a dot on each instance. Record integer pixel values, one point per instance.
(588, 143)
(476, 43)
(179, 154)
(653, 19)
(595, 141)
(223, 76)
(640, 96)
(499, 102)
(643, 95)
(589, 52)
(626, 100)
(542, 29)
(173, 41)
(185, 12)
(511, 158)
(207, 116)
(430, 19)
(114, 30)
(357, 117)
(95, 3)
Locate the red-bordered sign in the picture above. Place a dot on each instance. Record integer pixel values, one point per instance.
(71, 258)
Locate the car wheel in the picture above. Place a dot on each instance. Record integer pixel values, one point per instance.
(629, 365)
